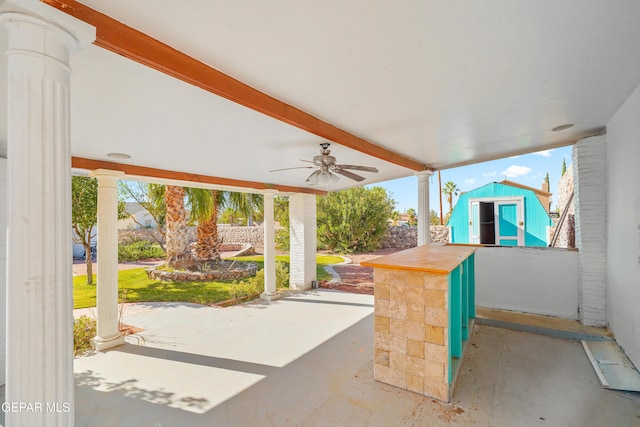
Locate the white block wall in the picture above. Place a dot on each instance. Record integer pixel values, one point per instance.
(623, 226)
(302, 227)
(590, 198)
(3, 265)
(531, 280)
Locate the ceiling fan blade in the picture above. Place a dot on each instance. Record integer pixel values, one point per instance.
(359, 168)
(348, 174)
(308, 161)
(310, 178)
(286, 169)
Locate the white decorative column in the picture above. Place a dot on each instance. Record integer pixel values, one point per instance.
(424, 220)
(40, 40)
(108, 334)
(302, 239)
(3, 264)
(270, 292)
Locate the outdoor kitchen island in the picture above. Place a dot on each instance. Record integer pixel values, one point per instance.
(424, 309)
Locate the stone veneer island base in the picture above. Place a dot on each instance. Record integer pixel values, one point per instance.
(424, 309)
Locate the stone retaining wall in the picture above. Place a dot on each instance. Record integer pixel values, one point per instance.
(206, 276)
(253, 235)
(567, 234)
(400, 237)
(403, 237)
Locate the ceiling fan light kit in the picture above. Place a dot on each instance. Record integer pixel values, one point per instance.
(325, 175)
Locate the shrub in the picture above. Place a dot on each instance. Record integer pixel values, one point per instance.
(255, 284)
(142, 249)
(354, 220)
(281, 213)
(84, 329)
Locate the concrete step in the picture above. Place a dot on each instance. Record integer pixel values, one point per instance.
(542, 325)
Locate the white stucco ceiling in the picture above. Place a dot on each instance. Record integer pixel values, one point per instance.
(442, 82)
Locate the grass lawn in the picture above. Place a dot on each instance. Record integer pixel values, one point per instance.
(321, 262)
(140, 288)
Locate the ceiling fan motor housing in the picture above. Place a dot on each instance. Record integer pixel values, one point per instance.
(323, 159)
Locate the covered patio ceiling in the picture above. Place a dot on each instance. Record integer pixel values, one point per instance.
(439, 83)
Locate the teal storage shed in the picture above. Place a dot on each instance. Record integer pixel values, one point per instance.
(502, 213)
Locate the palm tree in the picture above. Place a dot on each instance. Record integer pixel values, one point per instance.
(450, 189)
(245, 204)
(412, 216)
(177, 238)
(395, 216)
(204, 206)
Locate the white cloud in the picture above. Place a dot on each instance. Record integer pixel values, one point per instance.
(469, 181)
(488, 174)
(515, 171)
(543, 153)
(514, 157)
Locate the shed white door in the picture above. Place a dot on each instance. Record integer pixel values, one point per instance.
(509, 223)
(499, 222)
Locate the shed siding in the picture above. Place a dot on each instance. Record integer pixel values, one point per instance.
(536, 219)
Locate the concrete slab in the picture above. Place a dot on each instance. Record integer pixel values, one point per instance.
(306, 360)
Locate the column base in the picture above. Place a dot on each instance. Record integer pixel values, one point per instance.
(101, 344)
(301, 287)
(270, 296)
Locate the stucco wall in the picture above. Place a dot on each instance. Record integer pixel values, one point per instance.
(532, 280)
(623, 220)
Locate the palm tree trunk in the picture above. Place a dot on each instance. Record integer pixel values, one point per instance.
(177, 239)
(207, 247)
(250, 219)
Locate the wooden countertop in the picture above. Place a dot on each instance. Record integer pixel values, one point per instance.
(429, 258)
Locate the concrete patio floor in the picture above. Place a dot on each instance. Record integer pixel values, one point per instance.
(306, 360)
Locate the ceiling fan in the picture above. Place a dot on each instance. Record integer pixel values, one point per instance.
(327, 168)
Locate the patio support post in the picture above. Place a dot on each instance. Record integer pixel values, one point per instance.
(424, 220)
(39, 362)
(270, 292)
(108, 333)
(589, 159)
(302, 237)
(3, 263)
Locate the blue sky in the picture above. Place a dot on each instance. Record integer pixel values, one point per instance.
(528, 169)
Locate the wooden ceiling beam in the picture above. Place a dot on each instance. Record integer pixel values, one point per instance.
(161, 174)
(137, 46)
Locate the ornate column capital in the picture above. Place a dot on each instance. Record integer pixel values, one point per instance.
(424, 175)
